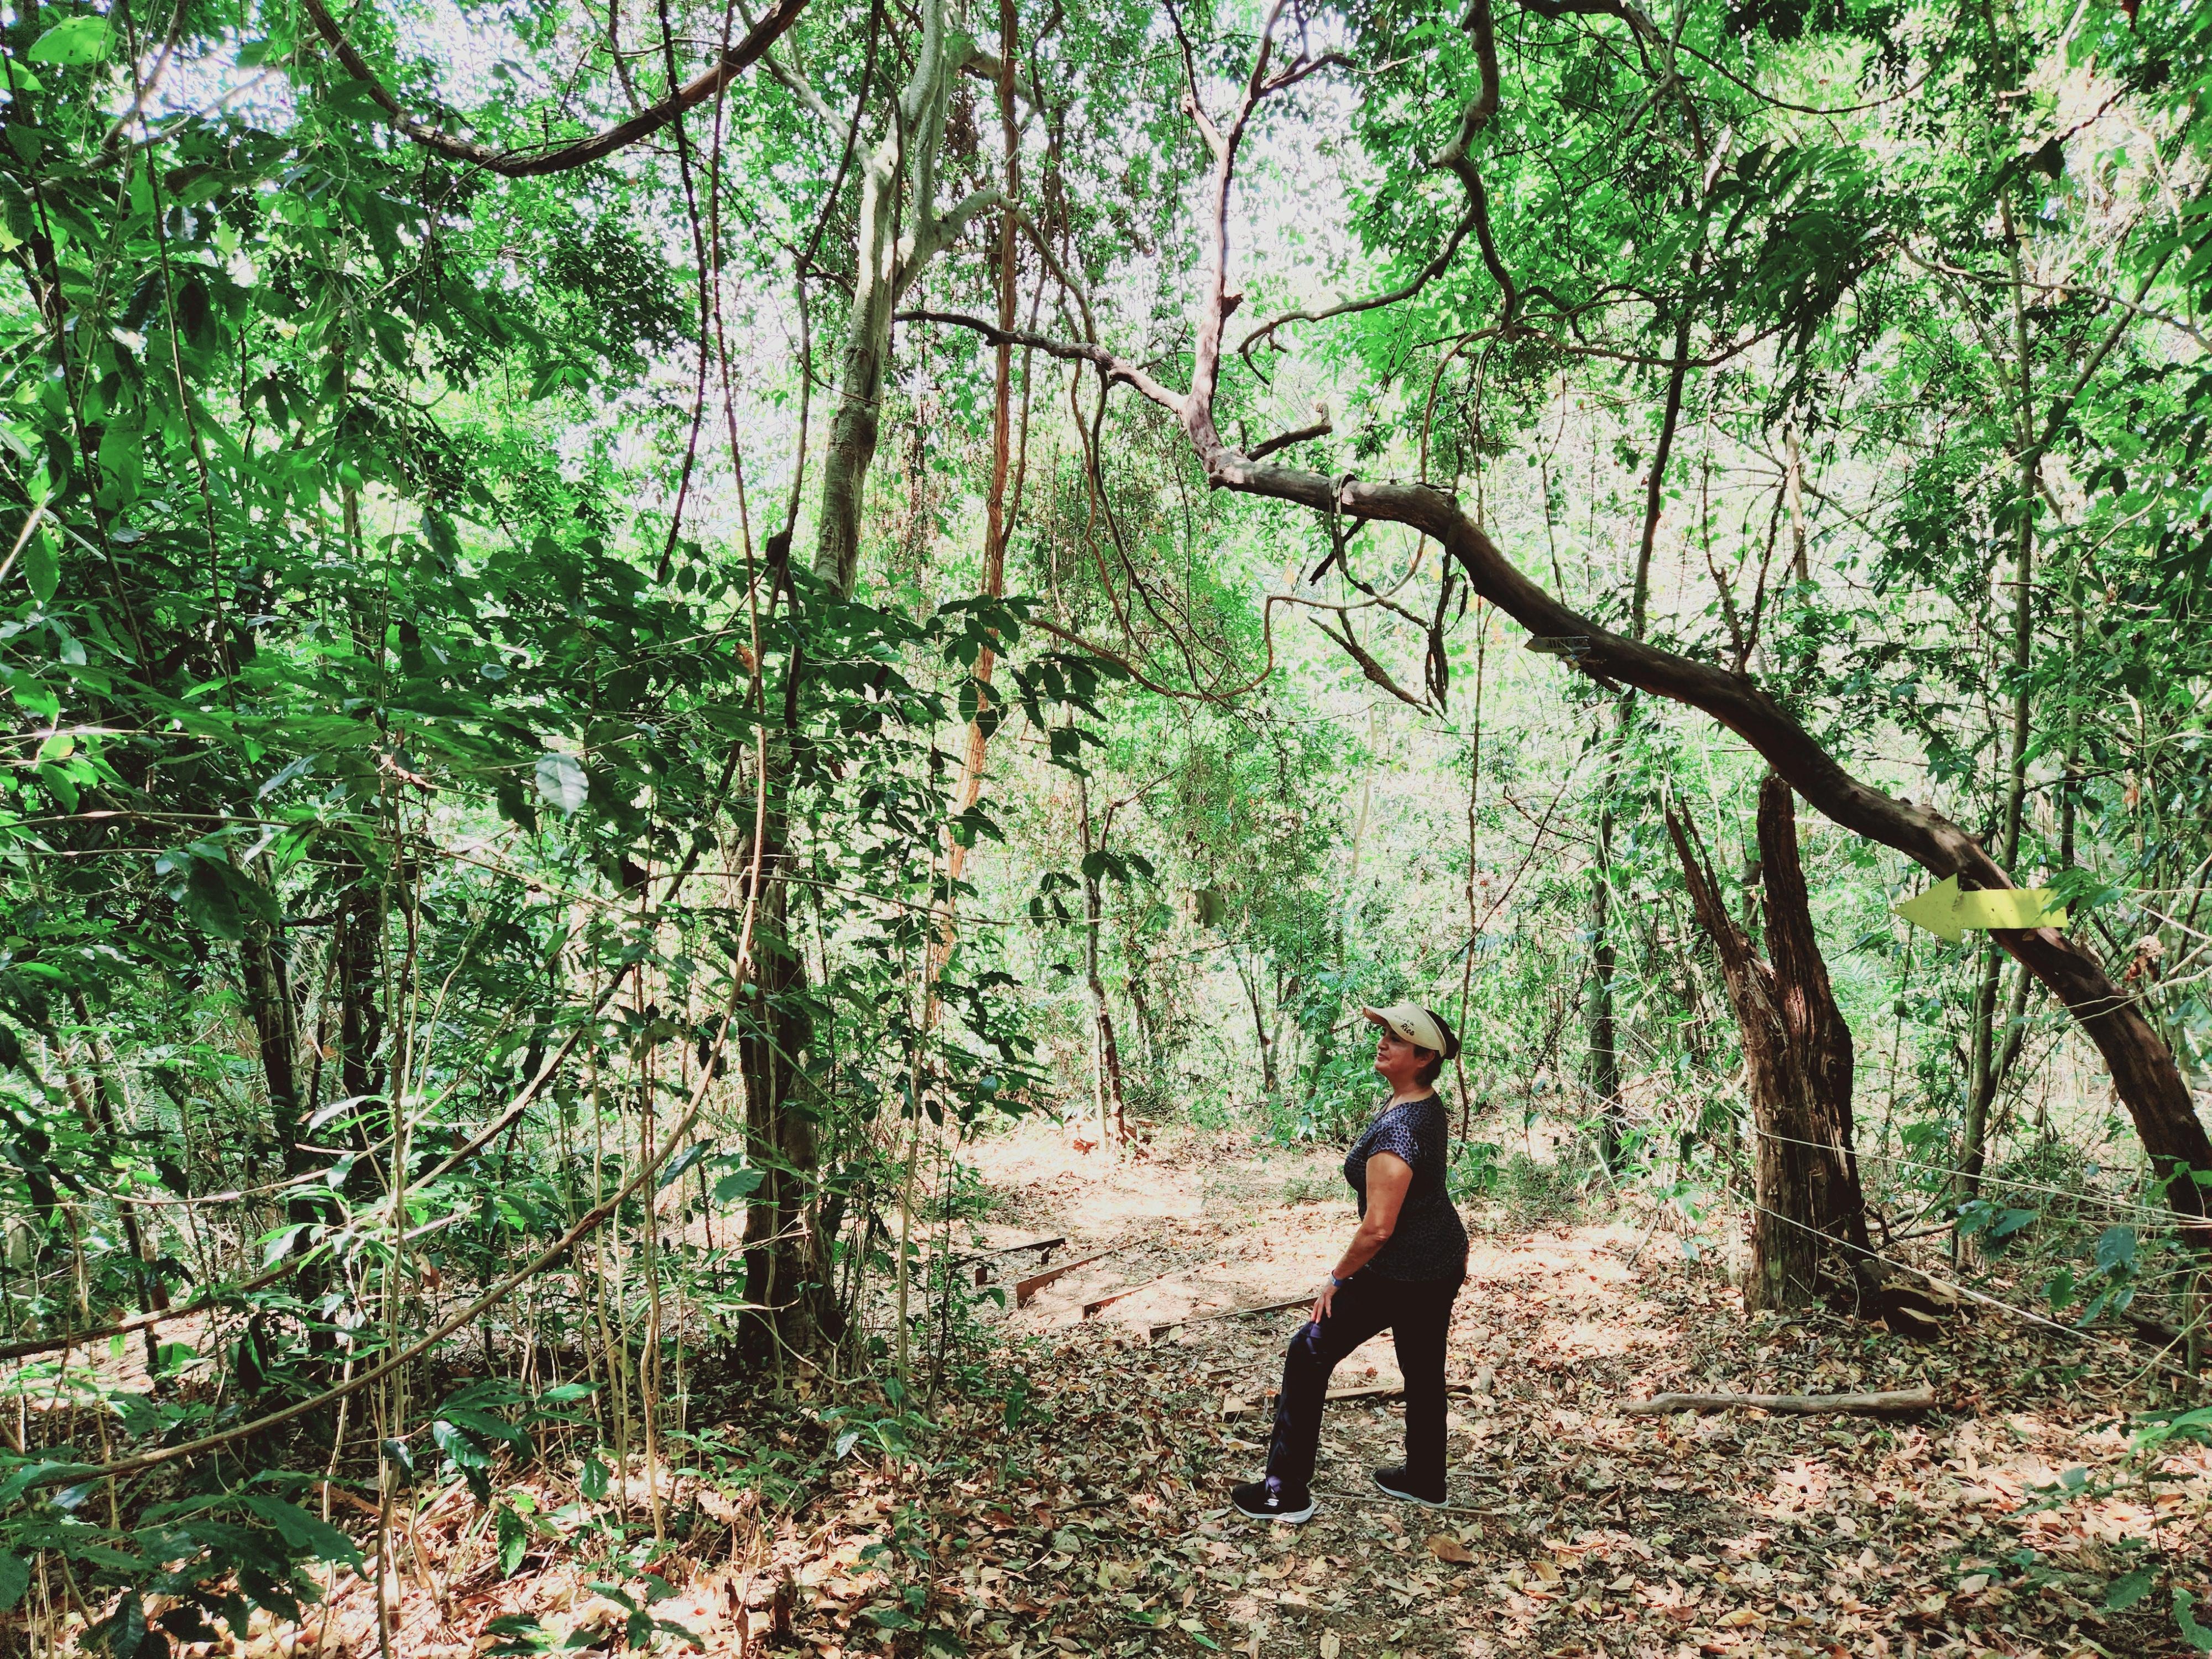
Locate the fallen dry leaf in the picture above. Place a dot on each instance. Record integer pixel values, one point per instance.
(1445, 1548)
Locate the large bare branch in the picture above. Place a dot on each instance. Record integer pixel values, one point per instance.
(2142, 1067)
(533, 163)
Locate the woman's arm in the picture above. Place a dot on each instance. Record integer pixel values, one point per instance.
(1389, 1177)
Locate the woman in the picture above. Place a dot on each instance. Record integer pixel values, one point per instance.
(1400, 1272)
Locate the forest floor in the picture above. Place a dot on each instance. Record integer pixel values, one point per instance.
(1071, 1496)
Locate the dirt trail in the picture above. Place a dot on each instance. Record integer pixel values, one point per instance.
(1070, 1497)
(1587, 1532)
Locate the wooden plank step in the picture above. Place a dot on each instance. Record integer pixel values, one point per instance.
(1026, 1288)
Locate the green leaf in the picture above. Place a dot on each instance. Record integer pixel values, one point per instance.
(514, 1540)
(561, 783)
(2115, 1249)
(2184, 1618)
(2128, 1588)
(79, 40)
(737, 1184)
(401, 1458)
(466, 1452)
(14, 1579)
(521, 1633)
(594, 1481)
(309, 1535)
(42, 568)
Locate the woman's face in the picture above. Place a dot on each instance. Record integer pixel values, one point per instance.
(1397, 1062)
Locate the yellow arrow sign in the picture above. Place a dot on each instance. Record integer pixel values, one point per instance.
(1947, 912)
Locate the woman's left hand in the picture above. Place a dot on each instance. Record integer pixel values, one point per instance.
(1323, 1302)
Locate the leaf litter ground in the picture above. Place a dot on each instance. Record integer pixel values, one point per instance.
(1075, 1502)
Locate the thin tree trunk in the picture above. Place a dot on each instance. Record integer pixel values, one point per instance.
(1603, 1032)
(1800, 564)
(900, 171)
(1250, 979)
(267, 991)
(1981, 1071)
(1604, 1026)
(99, 1110)
(784, 1271)
(856, 426)
(361, 1024)
(1987, 1071)
(1113, 1111)
(996, 529)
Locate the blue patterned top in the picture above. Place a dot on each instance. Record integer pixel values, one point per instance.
(1429, 1241)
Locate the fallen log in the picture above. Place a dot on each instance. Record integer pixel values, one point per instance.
(983, 1260)
(1090, 1307)
(1026, 1288)
(1367, 1391)
(1359, 1391)
(1804, 1404)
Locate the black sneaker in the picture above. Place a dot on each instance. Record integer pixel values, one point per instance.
(1392, 1481)
(1266, 1500)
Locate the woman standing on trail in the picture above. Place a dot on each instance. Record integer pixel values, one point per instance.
(1400, 1272)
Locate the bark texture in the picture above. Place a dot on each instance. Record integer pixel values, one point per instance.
(787, 1271)
(1811, 1216)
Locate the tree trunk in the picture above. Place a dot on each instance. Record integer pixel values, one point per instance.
(1981, 1071)
(785, 1272)
(1989, 1067)
(853, 430)
(267, 983)
(1810, 1218)
(1251, 983)
(1113, 1112)
(1603, 1026)
(361, 1025)
(900, 171)
(997, 530)
(785, 1251)
(99, 1113)
(1605, 955)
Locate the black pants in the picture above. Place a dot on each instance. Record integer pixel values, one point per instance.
(1416, 1313)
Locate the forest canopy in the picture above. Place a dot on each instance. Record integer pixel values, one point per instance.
(627, 632)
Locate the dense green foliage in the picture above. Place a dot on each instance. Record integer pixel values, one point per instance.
(469, 870)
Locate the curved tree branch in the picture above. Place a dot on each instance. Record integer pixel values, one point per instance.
(1368, 666)
(1454, 158)
(1320, 428)
(528, 164)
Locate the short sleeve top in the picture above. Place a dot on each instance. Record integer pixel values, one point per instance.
(1429, 1241)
